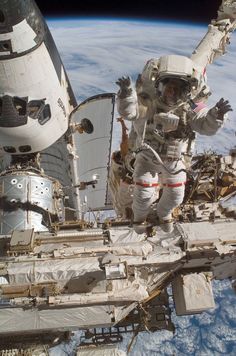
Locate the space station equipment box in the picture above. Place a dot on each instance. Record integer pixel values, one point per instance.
(192, 293)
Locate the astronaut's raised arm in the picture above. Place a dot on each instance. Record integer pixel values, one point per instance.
(127, 101)
(214, 43)
(208, 121)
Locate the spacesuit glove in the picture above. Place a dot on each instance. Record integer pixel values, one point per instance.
(125, 87)
(167, 121)
(220, 109)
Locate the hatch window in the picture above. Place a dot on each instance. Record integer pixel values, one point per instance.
(9, 149)
(37, 109)
(20, 105)
(5, 46)
(45, 115)
(12, 111)
(2, 17)
(26, 148)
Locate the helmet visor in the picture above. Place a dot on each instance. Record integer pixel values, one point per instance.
(173, 90)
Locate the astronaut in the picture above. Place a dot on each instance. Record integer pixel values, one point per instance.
(166, 108)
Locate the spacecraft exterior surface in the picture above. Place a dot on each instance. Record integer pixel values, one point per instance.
(61, 272)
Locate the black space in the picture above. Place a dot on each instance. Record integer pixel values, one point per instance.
(194, 10)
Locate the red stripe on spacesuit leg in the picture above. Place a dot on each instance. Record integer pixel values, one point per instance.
(150, 185)
(174, 185)
(147, 185)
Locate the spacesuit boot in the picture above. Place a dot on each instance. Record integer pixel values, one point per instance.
(141, 227)
(167, 224)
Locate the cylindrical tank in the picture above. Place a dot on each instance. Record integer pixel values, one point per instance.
(29, 200)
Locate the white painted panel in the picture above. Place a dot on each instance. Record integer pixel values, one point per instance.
(22, 38)
(94, 149)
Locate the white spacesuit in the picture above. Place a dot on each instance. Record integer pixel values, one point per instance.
(166, 111)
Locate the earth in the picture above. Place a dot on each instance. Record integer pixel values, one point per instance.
(95, 53)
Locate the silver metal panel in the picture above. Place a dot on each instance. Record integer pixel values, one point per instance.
(56, 162)
(69, 318)
(26, 188)
(14, 187)
(94, 149)
(20, 220)
(42, 193)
